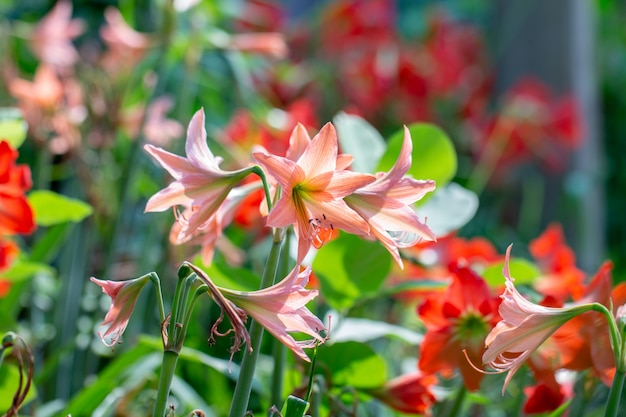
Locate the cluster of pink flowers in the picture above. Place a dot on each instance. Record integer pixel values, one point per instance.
(310, 189)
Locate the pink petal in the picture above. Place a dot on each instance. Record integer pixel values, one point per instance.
(196, 147)
(321, 154)
(172, 195)
(285, 172)
(298, 142)
(176, 165)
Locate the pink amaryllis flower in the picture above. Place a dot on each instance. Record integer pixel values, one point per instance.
(199, 181)
(281, 309)
(123, 299)
(523, 328)
(386, 204)
(313, 189)
(52, 38)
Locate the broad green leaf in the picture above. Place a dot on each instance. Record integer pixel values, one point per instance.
(52, 208)
(524, 272)
(450, 208)
(361, 140)
(364, 330)
(9, 381)
(130, 364)
(13, 127)
(434, 156)
(22, 271)
(227, 276)
(350, 268)
(352, 364)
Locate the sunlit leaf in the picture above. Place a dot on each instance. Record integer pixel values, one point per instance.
(51, 208)
(449, 208)
(350, 268)
(21, 271)
(352, 364)
(361, 140)
(434, 156)
(13, 127)
(524, 272)
(364, 330)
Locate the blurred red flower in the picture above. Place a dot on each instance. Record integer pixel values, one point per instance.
(458, 320)
(410, 393)
(561, 278)
(16, 215)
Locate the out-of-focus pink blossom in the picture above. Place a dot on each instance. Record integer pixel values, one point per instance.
(125, 46)
(52, 38)
(271, 44)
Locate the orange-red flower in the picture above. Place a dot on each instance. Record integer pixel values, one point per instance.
(456, 321)
(561, 278)
(16, 215)
(410, 393)
(313, 189)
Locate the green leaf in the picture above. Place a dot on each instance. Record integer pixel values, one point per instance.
(524, 272)
(51, 208)
(433, 153)
(361, 140)
(226, 276)
(13, 127)
(352, 364)
(9, 381)
(135, 365)
(449, 208)
(21, 271)
(294, 407)
(350, 268)
(365, 330)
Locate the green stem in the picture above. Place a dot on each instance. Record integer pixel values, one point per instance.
(159, 293)
(614, 333)
(257, 170)
(455, 409)
(279, 350)
(612, 404)
(168, 367)
(241, 395)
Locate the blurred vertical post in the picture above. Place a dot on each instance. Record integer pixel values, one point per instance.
(553, 41)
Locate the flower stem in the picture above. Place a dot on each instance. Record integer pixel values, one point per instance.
(455, 408)
(279, 350)
(248, 365)
(168, 367)
(612, 404)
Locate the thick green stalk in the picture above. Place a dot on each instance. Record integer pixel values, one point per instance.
(241, 395)
(612, 404)
(279, 350)
(168, 367)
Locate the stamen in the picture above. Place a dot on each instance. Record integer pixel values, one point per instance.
(321, 231)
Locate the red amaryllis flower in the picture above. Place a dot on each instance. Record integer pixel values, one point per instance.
(16, 215)
(455, 322)
(410, 393)
(561, 278)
